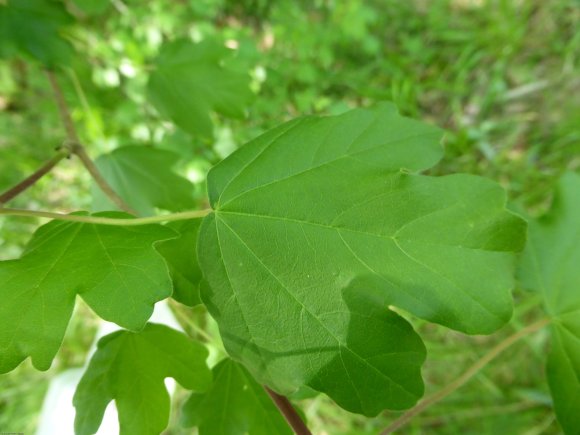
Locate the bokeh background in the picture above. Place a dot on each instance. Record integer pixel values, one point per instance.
(501, 76)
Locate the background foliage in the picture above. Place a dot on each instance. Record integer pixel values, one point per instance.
(498, 75)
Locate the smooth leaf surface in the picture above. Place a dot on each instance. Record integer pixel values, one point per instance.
(235, 404)
(320, 225)
(143, 177)
(550, 264)
(190, 82)
(33, 27)
(181, 257)
(116, 271)
(130, 369)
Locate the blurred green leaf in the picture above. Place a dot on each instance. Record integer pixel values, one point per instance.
(34, 28)
(143, 177)
(189, 82)
(550, 264)
(92, 7)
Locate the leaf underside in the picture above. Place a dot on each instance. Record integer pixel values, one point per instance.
(181, 258)
(130, 368)
(116, 270)
(320, 224)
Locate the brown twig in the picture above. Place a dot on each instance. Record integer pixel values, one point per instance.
(461, 380)
(78, 149)
(289, 413)
(63, 110)
(33, 178)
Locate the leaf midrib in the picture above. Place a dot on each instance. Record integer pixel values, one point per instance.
(392, 238)
(331, 334)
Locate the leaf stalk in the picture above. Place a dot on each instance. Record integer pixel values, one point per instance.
(101, 220)
(289, 413)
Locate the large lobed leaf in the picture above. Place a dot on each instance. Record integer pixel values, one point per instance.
(116, 270)
(190, 82)
(550, 264)
(235, 404)
(320, 224)
(130, 369)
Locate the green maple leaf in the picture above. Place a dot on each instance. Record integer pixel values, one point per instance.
(320, 224)
(33, 27)
(550, 264)
(142, 176)
(130, 369)
(190, 82)
(115, 270)
(235, 404)
(181, 257)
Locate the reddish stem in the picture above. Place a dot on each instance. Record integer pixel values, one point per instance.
(289, 413)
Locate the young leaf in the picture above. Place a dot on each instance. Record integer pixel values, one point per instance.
(142, 176)
(319, 225)
(234, 405)
(181, 257)
(130, 369)
(189, 82)
(115, 270)
(33, 27)
(550, 265)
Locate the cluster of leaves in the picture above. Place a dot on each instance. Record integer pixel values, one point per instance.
(251, 250)
(322, 231)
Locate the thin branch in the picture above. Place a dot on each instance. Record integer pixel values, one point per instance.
(79, 150)
(101, 220)
(63, 110)
(33, 178)
(461, 380)
(289, 413)
(504, 409)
